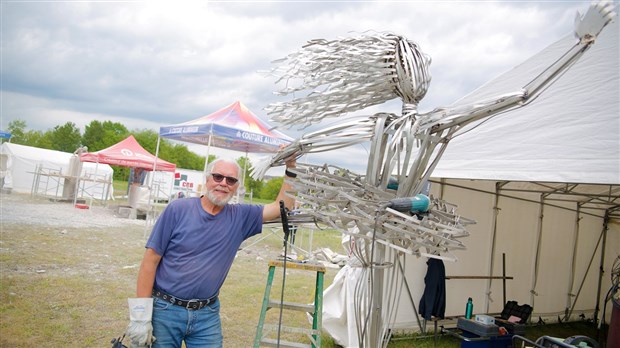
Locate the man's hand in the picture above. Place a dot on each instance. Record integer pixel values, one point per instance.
(140, 329)
(291, 161)
(588, 26)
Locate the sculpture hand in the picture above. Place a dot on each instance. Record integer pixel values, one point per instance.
(588, 26)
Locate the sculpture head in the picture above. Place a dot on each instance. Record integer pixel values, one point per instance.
(412, 71)
(349, 74)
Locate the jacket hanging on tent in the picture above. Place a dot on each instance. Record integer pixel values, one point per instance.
(433, 301)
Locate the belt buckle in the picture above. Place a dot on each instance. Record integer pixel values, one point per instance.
(196, 305)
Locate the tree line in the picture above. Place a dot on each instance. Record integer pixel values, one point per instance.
(100, 135)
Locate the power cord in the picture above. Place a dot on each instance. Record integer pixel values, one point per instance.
(285, 228)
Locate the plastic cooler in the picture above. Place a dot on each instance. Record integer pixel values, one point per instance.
(477, 328)
(491, 342)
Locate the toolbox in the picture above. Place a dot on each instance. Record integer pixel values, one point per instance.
(513, 309)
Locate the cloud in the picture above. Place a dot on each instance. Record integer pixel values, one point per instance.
(155, 63)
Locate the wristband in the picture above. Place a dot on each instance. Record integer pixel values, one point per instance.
(289, 174)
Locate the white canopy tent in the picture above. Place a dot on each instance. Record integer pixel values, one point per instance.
(543, 184)
(34, 170)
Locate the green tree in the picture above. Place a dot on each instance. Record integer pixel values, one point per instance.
(40, 139)
(17, 129)
(211, 159)
(181, 156)
(20, 135)
(65, 138)
(271, 188)
(147, 138)
(251, 185)
(98, 135)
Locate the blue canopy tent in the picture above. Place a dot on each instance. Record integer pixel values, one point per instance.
(5, 135)
(233, 127)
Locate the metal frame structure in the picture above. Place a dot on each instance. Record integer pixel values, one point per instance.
(601, 201)
(351, 74)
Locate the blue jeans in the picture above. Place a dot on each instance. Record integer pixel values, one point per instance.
(198, 328)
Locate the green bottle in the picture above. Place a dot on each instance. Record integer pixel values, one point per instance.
(469, 308)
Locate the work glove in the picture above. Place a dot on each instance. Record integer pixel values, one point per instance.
(140, 329)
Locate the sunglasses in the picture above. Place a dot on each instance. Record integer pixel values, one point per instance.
(230, 181)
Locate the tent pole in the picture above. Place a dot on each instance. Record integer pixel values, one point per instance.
(150, 206)
(571, 275)
(601, 269)
(587, 271)
(156, 155)
(415, 309)
(498, 188)
(204, 171)
(245, 166)
(504, 278)
(153, 172)
(539, 232)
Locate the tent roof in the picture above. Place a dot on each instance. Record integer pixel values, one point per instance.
(233, 127)
(565, 145)
(569, 134)
(128, 153)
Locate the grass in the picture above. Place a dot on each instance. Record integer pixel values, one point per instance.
(120, 187)
(63, 286)
(532, 333)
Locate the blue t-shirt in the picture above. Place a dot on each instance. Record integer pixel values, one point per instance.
(198, 248)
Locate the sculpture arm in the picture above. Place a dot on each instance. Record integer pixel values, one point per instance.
(331, 138)
(587, 29)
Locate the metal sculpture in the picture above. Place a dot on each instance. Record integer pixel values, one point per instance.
(351, 74)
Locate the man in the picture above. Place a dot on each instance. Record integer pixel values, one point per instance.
(187, 258)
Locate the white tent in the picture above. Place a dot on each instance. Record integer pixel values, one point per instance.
(570, 134)
(543, 184)
(24, 162)
(560, 159)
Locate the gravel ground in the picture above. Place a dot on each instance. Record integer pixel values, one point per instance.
(24, 211)
(16, 208)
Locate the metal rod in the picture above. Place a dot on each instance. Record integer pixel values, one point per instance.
(504, 276)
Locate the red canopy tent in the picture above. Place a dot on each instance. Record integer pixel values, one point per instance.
(128, 153)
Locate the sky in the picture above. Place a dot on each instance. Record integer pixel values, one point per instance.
(147, 64)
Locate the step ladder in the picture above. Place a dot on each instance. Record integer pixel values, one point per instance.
(315, 310)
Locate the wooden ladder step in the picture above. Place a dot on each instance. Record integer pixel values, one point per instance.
(290, 329)
(292, 306)
(268, 342)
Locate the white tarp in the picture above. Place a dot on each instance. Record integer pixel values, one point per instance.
(569, 134)
(26, 160)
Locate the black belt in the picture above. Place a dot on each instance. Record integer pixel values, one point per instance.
(189, 304)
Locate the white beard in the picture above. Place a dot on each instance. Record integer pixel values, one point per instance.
(220, 202)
